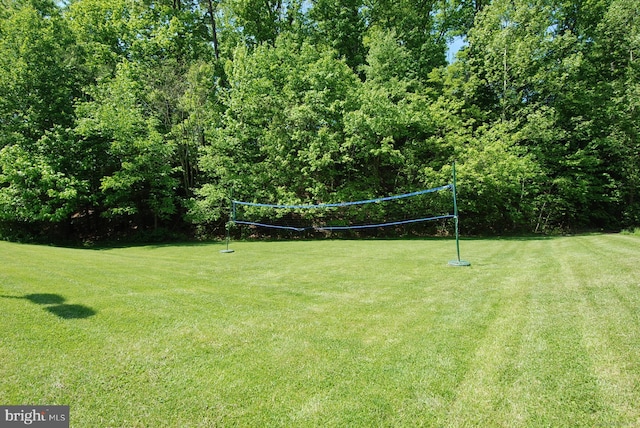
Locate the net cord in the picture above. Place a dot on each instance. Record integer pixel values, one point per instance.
(343, 204)
(332, 228)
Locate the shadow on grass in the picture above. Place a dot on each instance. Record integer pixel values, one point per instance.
(294, 237)
(67, 311)
(55, 304)
(511, 238)
(150, 245)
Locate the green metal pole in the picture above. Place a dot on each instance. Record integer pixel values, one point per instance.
(456, 262)
(232, 218)
(455, 211)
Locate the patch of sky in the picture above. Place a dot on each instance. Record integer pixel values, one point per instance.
(454, 46)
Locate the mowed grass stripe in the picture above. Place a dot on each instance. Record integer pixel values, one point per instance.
(537, 332)
(611, 317)
(555, 359)
(483, 397)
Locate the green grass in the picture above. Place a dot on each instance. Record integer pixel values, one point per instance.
(537, 332)
(634, 231)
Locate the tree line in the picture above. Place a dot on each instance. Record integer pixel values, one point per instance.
(119, 116)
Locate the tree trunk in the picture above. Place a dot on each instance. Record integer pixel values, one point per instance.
(214, 33)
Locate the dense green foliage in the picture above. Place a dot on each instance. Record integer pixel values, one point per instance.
(132, 115)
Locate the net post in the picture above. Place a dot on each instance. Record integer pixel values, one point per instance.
(456, 262)
(232, 217)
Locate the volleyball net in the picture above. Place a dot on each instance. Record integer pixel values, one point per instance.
(383, 212)
(401, 210)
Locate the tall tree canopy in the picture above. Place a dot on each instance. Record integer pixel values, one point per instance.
(129, 115)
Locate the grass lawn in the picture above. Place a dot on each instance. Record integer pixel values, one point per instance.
(537, 332)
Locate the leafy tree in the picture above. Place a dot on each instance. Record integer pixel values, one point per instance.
(341, 25)
(415, 26)
(281, 137)
(40, 76)
(103, 32)
(532, 68)
(34, 188)
(392, 122)
(150, 112)
(262, 22)
(140, 178)
(617, 55)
